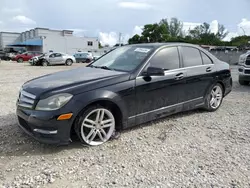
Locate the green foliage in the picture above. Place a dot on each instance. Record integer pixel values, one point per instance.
(172, 31)
(100, 45)
(241, 41)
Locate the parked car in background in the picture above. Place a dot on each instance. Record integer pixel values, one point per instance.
(6, 56)
(26, 56)
(55, 58)
(36, 60)
(83, 57)
(128, 86)
(95, 57)
(244, 68)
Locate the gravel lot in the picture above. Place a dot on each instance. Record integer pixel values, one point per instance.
(193, 149)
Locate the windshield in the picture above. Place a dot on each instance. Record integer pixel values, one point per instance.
(126, 58)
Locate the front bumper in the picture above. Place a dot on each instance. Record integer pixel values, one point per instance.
(244, 70)
(244, 73)
(44, 126)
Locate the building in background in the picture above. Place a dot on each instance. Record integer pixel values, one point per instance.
(45, 40)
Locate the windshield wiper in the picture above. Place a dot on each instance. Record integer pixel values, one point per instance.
(106, 68)
(101, 67)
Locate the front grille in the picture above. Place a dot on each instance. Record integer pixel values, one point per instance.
(26, 99)
(247, 71)
(248, 60)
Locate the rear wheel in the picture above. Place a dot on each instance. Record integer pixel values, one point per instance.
(96, 125)
(243, 82)
(88, 61)
(20, 60)
(214, 97)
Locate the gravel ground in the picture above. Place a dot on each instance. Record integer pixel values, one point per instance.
(192, 149)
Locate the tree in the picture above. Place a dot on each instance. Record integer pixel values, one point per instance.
(172, 31)
(241, 41)
(202, 34)
(175, 28)
(200, 31)
(135, 39)
(154, 32)
(100, 45)
(222, 32)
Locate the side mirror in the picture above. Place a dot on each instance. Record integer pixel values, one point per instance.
(154, 71)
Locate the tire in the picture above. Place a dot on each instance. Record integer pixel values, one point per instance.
(20, 60)
(69, 62)
(45, 63)
(214, 98)
(94, 130)
(243, 82)
(87, 61)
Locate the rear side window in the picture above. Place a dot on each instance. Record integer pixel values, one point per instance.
(167, 58)
(191, 57)
(206, 59)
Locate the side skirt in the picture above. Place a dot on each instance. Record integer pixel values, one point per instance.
(164, 112)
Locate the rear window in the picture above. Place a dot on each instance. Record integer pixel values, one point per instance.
(191, 57)
(206, 59)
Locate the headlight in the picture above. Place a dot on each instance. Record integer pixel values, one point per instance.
(54, 102)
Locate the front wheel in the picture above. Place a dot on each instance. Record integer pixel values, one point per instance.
(45, 63)
(69, 62)
(96, 125)
(20, 60)
(214, 98)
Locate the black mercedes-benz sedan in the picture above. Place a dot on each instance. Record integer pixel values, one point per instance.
(130, 85)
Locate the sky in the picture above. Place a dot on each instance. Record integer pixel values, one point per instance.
(105, 19)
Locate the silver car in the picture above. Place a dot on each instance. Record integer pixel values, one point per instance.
(55, 58)
(244, 69)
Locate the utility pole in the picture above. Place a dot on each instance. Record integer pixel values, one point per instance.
(120, 36)
(243, 30)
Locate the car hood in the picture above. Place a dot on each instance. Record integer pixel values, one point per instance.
(70, 79)
(242, 56)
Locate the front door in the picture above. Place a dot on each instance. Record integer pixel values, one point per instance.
(58, 58)
(158, 96)
(28, 56)
(52, 59)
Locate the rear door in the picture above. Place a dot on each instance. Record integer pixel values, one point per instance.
(200, 74)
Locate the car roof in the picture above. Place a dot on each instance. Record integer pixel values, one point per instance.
(157, 45)
(83, 53)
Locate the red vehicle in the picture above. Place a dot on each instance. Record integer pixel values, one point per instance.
(26, 56)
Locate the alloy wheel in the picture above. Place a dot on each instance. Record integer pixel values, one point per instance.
(69, 62)
(97, 127)
(45, 63)
(216, 97)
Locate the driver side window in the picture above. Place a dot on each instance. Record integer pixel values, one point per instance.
(167, 58)
(52, 56)
(58, 55)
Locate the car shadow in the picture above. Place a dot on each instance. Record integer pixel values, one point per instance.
(170, 117)
(14, 142)
(240, 88)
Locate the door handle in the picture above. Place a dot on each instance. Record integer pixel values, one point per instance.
(209, 69)
(179, 76)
